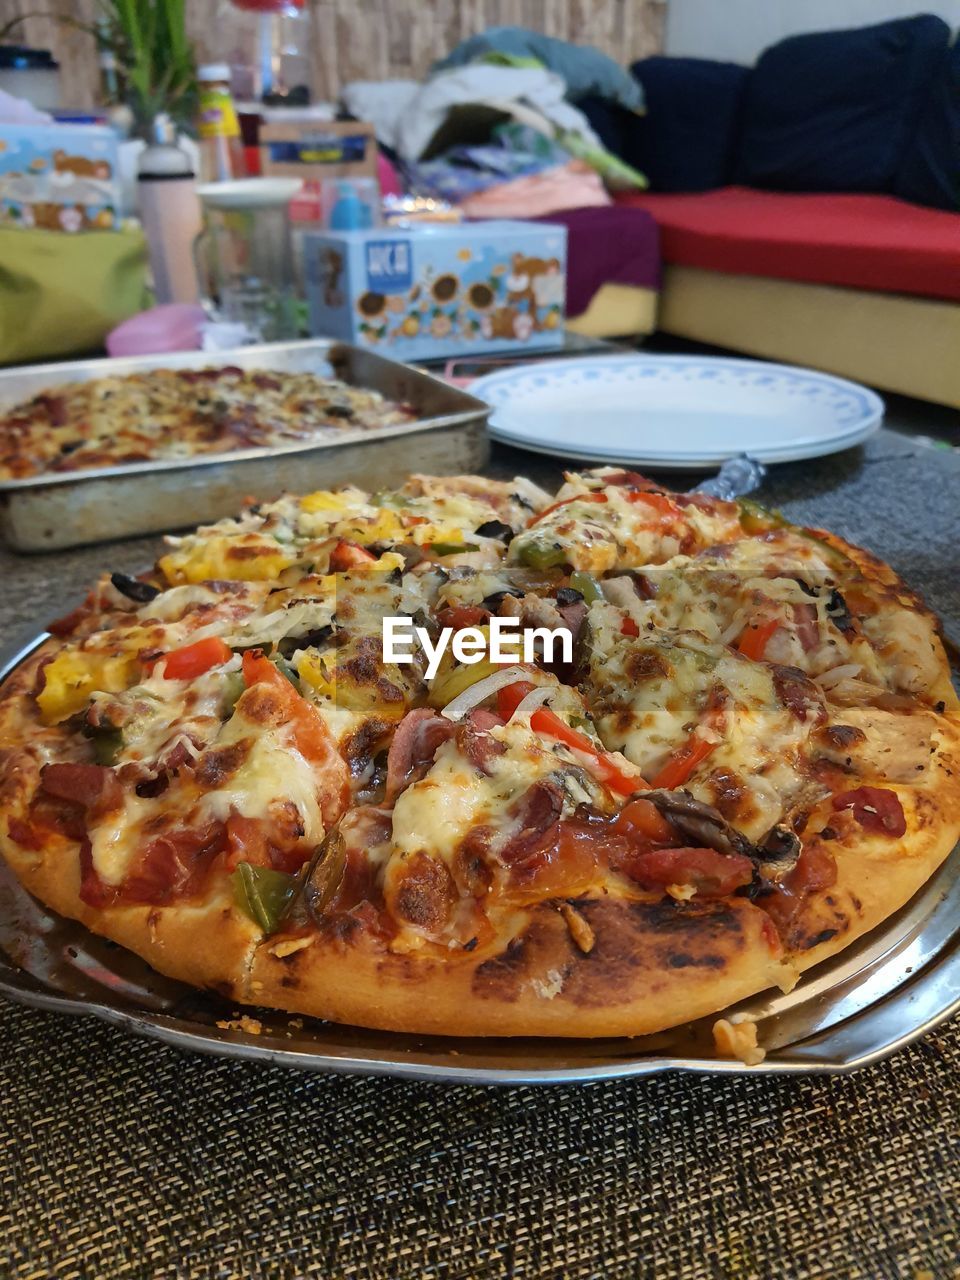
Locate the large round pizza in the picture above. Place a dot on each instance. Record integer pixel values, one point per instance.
(746, 756)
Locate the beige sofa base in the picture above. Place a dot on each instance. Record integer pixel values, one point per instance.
(891, 341)
(617, 311)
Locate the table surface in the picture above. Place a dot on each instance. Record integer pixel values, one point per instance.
(121, 1157)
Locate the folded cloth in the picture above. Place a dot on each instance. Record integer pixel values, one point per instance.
(380, 103)
(566, 186)
(604, 247)
(583, 69)
(514, 151)
(407, 117)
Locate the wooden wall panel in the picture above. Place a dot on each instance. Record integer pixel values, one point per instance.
(362, 39)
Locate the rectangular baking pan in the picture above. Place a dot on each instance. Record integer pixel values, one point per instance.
(49, 512)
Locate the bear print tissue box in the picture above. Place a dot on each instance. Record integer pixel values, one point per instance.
(433, 291)
(59, 177)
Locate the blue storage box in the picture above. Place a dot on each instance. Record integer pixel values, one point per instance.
(436, 290)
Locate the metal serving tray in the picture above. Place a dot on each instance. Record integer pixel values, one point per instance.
(49, 512)
(883, 992)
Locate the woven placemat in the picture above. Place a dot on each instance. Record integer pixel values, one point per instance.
(125, 1158)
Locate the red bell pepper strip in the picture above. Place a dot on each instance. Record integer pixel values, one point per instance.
(753, 639)
(580, 497)
(348, 555)
(660, 503)
(546, 721)
(683, 762)
(194, 659)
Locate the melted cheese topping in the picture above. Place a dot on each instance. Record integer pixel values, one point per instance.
(272, 771)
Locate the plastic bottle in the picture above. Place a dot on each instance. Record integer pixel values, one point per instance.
(350, 212)
(276, 62)
(170, 213)
(221, 150)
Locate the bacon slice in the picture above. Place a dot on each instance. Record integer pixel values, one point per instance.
(419, 735)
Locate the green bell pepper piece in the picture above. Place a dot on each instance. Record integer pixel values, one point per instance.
(451, 548)
(541, 555)
(233, 685)
(107, 745)
(587, 585)
(263, 894)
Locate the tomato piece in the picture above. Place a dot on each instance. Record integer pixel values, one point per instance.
(683, 762)
(311, 736)
(754, 638)
(875, 808)
(565, 502)
(639, 819)
(247, 842)
(629, 628)
(816, 869)
(712, 874)
(349, 555)
(459, 616)
(194, 659)
(548, 722)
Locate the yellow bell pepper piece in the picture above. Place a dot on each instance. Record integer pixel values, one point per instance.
(74, 676)
(325, 500)
(446, 687)
(312, 669)
(234, 559)
(349, 695)
(384, 527)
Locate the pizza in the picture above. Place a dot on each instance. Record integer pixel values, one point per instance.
(168, 414)
(746, 756)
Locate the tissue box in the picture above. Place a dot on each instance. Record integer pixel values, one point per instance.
(439, 290)
(59, 177)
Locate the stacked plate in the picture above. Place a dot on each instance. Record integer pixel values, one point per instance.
(676, 412)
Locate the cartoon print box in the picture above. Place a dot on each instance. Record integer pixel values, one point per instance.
(61, 177)
(442, 290)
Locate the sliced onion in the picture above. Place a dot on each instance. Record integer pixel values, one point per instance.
(736, 625)
(848, 671)
(482, 690)
(529, 703)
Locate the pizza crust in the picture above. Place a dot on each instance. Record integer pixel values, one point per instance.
(649, 961)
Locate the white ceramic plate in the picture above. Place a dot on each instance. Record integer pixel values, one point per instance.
(685, 412)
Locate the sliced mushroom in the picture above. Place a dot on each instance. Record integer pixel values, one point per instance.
(774, 856)
(325, 874)
(699, 821)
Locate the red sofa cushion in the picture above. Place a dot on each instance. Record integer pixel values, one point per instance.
(859, 241)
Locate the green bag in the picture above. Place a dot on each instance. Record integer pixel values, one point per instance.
(61, 294)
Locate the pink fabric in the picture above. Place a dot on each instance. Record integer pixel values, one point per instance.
(387, 175)
(568, 186)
